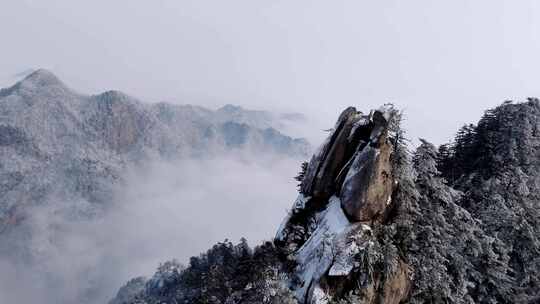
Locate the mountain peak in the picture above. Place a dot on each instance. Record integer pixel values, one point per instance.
(41, 78)
(38, 82)
(229, 108)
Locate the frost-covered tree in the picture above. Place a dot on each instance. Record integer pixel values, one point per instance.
(425, 160)
(300, 177)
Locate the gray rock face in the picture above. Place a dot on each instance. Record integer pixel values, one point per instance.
(371, 168)
(325, 165)
(332, 236)
(356, 153)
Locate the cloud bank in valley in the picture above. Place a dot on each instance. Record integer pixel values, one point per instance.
(163, 210)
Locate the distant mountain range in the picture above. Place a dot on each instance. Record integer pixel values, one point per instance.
(57, 144)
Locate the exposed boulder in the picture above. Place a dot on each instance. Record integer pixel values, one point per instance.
(355, 161)
(331, 233)
(326, 164)
(367, 189)
(368, 184)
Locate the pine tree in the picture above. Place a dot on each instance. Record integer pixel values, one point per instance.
(425, 160)
(398, 138)
(445, 161)
(302, 173)
(465, 150)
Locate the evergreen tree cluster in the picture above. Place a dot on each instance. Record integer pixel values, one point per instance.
(493, 220)
(487, 147)
(222, 274)
(303, 170)
(454, 260)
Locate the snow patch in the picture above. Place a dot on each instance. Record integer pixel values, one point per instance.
(386, 111)
(298, 205)
(348, 244)
(362, 121)
(316, 256)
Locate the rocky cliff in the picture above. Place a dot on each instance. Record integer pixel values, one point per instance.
(375, 223)
(345, 198)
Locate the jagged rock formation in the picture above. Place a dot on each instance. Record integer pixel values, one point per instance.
(371, 224)
(331, 234)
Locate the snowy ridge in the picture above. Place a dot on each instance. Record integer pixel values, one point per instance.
(55, 140)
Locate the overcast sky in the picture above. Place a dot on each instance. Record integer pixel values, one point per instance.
(444, 62)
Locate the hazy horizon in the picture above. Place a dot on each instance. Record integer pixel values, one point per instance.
(442, 63)
(314, 57)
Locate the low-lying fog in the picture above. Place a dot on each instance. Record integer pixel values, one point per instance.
(164, 210)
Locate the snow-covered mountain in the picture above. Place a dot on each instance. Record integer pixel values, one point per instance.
(65, 157)
(56, 143)
(375, 223)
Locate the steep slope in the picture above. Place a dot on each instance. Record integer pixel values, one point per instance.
(498, 170)
(376, 224)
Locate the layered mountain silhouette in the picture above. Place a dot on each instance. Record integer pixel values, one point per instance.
(373, 221)
(57, 144)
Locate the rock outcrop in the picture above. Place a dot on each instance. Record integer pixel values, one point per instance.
(346, 194)
(375, 223)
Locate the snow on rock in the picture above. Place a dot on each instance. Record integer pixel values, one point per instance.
(315, 257)
(319, 296)
(331, 250)
(349, 182)
(362, 122)
(298, 205)
(349, 244)
(168, 274)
